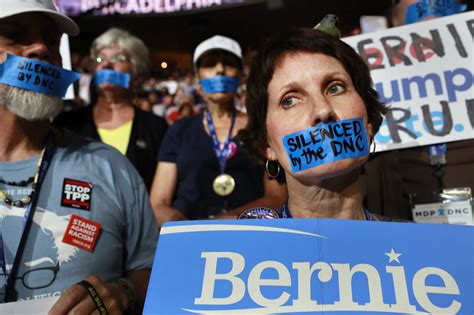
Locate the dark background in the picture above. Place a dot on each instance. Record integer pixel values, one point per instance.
(172, 37)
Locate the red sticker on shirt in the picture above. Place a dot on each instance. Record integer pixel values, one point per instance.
(81, 233)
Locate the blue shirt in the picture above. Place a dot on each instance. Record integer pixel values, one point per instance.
(119, 203)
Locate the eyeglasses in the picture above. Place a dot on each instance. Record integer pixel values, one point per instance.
(112, 59)
(38, 278)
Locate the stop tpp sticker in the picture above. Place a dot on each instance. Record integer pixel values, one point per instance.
(76, 194)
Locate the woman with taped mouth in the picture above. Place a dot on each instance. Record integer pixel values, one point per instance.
(121, 60)
(312, 115)
(202, 173)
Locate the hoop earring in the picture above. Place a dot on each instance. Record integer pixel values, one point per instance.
(267, 169)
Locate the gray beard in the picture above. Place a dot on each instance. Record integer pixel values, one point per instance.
(30, 105)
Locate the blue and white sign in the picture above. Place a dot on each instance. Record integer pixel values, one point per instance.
(311, 266)
(424, 71)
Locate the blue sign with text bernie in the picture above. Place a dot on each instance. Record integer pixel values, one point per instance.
(312, 266)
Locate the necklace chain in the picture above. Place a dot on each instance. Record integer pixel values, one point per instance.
(22, 202)
(25, 201)
(21, 183)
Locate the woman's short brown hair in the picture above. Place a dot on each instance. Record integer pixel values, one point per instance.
(254, 136)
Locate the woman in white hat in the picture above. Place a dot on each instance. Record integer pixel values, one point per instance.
(202, 172)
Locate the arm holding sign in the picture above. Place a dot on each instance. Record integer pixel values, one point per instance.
(113, 295)
(162, 192)
(76, 299)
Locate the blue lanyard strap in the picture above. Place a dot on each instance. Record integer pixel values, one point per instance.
(221, 153)
(41, 170)
(285, 213)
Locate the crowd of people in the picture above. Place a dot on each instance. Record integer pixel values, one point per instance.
(170, 96)
(84, 191)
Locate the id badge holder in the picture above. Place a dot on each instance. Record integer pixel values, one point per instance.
(450, 206)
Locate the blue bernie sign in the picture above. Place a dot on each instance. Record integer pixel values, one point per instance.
(36, 76)
(312, 266)
(326, 143)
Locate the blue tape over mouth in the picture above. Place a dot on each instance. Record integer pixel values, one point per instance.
(220, 84)
(116, 78)
(426, 8)
(326, 143)
(36, 76)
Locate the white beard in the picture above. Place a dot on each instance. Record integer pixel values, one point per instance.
(30, 105)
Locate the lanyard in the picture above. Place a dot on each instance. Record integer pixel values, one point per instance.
(221, 153)
(41, 170)
(285, 213)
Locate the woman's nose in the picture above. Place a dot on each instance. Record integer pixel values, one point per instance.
(322, 112)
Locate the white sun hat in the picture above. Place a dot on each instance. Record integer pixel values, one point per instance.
(13, 7)
(217, 42)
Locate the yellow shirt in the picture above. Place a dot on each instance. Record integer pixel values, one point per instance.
(118, 137)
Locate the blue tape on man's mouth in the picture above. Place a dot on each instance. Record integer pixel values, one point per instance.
(326, 143)
(220, 84)
(116, 78)
(36, 76)
(426, 8)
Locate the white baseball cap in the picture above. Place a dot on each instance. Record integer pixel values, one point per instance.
(13, 7)
(217, 42)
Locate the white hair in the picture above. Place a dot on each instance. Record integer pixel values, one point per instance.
(128, 43)
(30, 105)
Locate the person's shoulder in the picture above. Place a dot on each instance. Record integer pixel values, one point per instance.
(75, 145)
(150, 118)
(185, 124)
(73, 117)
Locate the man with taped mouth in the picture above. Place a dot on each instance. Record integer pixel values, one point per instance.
(313, 115)
(75, 221)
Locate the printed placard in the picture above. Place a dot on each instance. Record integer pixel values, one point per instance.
(326, 143)
(36, 76)
(116, 8)
(312, 266)
(456, 212)
(76, 194)
(81, 233)
(424, 71)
